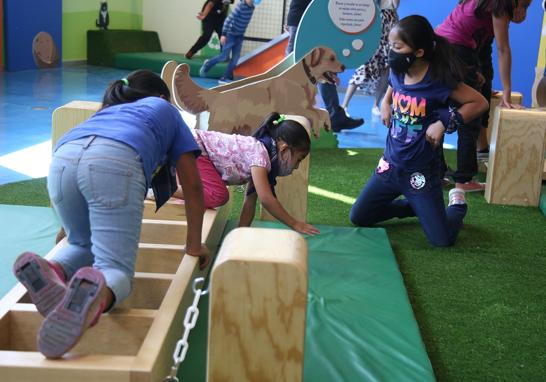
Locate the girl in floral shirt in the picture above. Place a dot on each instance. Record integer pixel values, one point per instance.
(275, 149)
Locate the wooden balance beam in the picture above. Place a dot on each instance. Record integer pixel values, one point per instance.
(135, 341)
(257, 308)
(516, 157)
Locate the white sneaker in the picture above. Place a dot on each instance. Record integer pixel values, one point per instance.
(376, 112)
(456, 196)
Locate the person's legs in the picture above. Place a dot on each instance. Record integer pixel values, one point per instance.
(115, 209)
(486, 66)
(71, 207)
(467, 165)
(381, 88)
(338, 118)
(441, 227)
(208, 28)
(376, 202)
(292, 37)
(223, 56)
(351, 88)
(215, 192)
(235, 54)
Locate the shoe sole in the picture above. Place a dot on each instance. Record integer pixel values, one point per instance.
(44, 287)
(65, 325)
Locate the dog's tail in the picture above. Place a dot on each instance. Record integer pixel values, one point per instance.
(188, 95)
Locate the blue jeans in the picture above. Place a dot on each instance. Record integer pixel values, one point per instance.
(377, 202)
(97, 188)
(234, 44)
(291, 39)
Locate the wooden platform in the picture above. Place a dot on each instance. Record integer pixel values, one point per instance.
(516, 157)
(136, 340)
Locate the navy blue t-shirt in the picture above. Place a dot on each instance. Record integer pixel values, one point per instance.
(151, 126)
(413, 109)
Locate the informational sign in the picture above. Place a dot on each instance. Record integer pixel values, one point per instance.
(350, 27)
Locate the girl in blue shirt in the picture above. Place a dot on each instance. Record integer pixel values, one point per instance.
(425, 78)
(97, 182)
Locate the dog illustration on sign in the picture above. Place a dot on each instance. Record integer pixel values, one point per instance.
(240, 110)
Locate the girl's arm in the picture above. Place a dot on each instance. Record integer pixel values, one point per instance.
(248, 210)
(193, 195)
(504, 53)
(386, 109)
(206, 10)
(473, 104)
(272, 204)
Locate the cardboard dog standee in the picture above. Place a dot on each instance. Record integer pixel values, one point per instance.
(258, 298)
(516, 157)
(135, 342)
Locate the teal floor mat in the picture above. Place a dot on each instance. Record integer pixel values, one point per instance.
(23, 229)
(360, 326)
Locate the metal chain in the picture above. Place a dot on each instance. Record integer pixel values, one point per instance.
(190, 319)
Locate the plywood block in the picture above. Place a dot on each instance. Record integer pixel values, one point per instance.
(163, 231)
(173, 209)
(116, 335)
(159, 258)
(148, 292)
(258, 307)
(70, 115)
(516, 157)
(516, 98)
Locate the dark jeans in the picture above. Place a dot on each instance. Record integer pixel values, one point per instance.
(329, 95)
(208, 28)
(485, 56)
(467, 161)
(377, 202)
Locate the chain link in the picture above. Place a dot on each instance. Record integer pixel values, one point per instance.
(190, 319)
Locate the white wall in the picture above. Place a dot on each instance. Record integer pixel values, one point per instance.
(174, 20)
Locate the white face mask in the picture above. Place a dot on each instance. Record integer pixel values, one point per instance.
(285, 162)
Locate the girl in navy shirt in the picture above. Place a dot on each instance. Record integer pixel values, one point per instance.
(425, 79)
(97, 182)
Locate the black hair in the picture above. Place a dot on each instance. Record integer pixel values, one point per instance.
(291, 132)
(417, 33)
(140, 84)
(496, 7)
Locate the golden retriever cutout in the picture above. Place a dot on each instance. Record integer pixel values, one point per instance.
(241, 110)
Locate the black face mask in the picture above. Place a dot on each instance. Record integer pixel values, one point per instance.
(400, 62)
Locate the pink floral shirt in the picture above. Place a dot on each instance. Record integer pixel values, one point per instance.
(232, 155)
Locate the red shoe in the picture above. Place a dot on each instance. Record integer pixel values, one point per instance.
(471, 186)
(80, 308)
(43, 280)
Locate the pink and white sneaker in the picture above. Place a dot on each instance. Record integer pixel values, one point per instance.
(43, 280)
(80, 308)
(471, 186)
(456, 196)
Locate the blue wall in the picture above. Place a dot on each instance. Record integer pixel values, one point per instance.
(524, 39)
(23, 19)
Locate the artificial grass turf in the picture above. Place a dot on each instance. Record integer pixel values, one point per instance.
(479, 305)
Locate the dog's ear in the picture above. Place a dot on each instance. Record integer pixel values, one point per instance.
(316, 56)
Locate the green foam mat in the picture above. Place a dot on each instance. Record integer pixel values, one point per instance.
(154, 61)
(360, 326)
(23, 229)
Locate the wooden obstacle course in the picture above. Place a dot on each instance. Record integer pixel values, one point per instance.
(516, 157)
(515, 97)
(257, 308)
(135, 341)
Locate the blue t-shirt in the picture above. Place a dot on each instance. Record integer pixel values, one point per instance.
(151, 126)
(413, 108)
